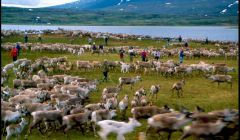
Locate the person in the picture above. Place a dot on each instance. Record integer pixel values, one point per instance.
(105, 70)
(90, 40)
(101, 48)
(131, 54)
(186, 44)
(157, 54)
(168, 41)
(14, 53)
(153, 52)
(39, 38)
(26, 38)
(106, 39)
(94, 47)
(144, 55)
(206, 42)
(121, 54)
(18, 48)
(180, 38)
(181, 55)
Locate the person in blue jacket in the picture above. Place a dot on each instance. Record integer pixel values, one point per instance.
(181, 55)
(18, 48)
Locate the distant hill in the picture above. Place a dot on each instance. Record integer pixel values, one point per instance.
(176, 7)
(89, 4)
(128, 12)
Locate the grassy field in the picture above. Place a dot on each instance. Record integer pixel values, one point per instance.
(111, 42)
(197, 91)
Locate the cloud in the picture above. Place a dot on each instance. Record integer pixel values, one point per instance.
(34, 3)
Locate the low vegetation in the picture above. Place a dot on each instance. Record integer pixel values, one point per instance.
(197, 89)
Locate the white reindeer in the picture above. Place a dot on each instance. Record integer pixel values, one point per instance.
(120, 128)
(125, 67)
(16, 129)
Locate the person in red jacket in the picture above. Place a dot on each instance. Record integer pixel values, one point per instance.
(14, 53)
(144, 55)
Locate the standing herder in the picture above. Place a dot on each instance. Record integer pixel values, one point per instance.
(14, 53)
(94, 48)
(180, 38)
(106, 39)
(206, 41)
(101, 48)
(186, 44)
(144, 55)
(168, 41)
(131, 54)
(26, 37)
(18, 48)
(121, 54)
(105, 70)
(157, 55)
(181, 55)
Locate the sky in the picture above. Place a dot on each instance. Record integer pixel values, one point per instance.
(33, 3)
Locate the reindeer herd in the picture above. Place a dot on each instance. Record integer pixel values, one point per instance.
(61, 102)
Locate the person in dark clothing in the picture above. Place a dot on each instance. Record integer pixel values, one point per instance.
(206, 42)
(131, 54)
(26, 38)
(180, 38)
(101, 48)
(181, 55)
(18, 48)
(14, 53)
(94, 47)
(105, 70)
(144, 55)
(106, 40)
(186, 44)
(121, 54)
(168, 41)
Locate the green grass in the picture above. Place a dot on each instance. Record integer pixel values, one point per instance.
(144, 43)
(197, 91)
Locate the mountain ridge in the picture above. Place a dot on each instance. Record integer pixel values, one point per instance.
(133, 12)
(197, 7)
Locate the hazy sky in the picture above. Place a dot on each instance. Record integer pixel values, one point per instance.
(34, 3)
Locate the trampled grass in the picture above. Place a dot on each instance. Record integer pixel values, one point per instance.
(144, 43)
(197, 91)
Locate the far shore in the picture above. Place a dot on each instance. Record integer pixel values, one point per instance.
(198, 33)
(228, 26)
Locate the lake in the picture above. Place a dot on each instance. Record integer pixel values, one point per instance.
(220, 33)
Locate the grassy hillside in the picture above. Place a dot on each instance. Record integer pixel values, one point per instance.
(197, 91)
(172, 7)
(77, 17)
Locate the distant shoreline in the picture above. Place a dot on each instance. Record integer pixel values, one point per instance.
(228, 26)
(214, 33)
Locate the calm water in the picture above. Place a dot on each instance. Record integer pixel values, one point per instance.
(220, 33)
